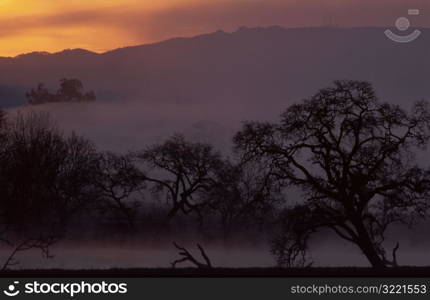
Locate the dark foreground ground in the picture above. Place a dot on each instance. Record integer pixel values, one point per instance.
(223, 272)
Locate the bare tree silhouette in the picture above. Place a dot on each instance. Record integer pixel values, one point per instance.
(186, 256)
(352, 156)
(117, 180)
(44, 182)
(184, 168)
(243, 193)
(43, 243)
(290, 245)
(3, 130)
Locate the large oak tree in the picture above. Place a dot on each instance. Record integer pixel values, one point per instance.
(352, 156)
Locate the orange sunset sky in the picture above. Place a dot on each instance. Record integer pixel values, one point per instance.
(101, 25)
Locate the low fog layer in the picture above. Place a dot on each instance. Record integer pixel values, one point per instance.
(241, 250)
(205, 88)
(132, 126)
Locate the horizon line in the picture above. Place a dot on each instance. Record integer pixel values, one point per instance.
(329, 26)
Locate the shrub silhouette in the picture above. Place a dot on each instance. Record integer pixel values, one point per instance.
(71, 90)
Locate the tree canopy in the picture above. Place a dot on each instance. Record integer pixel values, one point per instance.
(352, 156)
(71, 90)
(185, 169)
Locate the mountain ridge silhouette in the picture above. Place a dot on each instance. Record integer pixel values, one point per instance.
(173, 39)
(255, 68)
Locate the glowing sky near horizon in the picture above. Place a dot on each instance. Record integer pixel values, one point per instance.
(101, 25)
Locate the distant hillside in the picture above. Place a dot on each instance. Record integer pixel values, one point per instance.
(254, 70)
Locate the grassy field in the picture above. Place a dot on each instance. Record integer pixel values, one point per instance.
(223, 272)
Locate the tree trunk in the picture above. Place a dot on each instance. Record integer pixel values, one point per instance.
(126, 212)
(177, 207)
(173, 212)
(367, 246)
(372, 256)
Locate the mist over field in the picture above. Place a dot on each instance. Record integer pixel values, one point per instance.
(123, 127)
(241, 250)
(205, 88)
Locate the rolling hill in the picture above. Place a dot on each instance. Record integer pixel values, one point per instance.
(251, 71)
